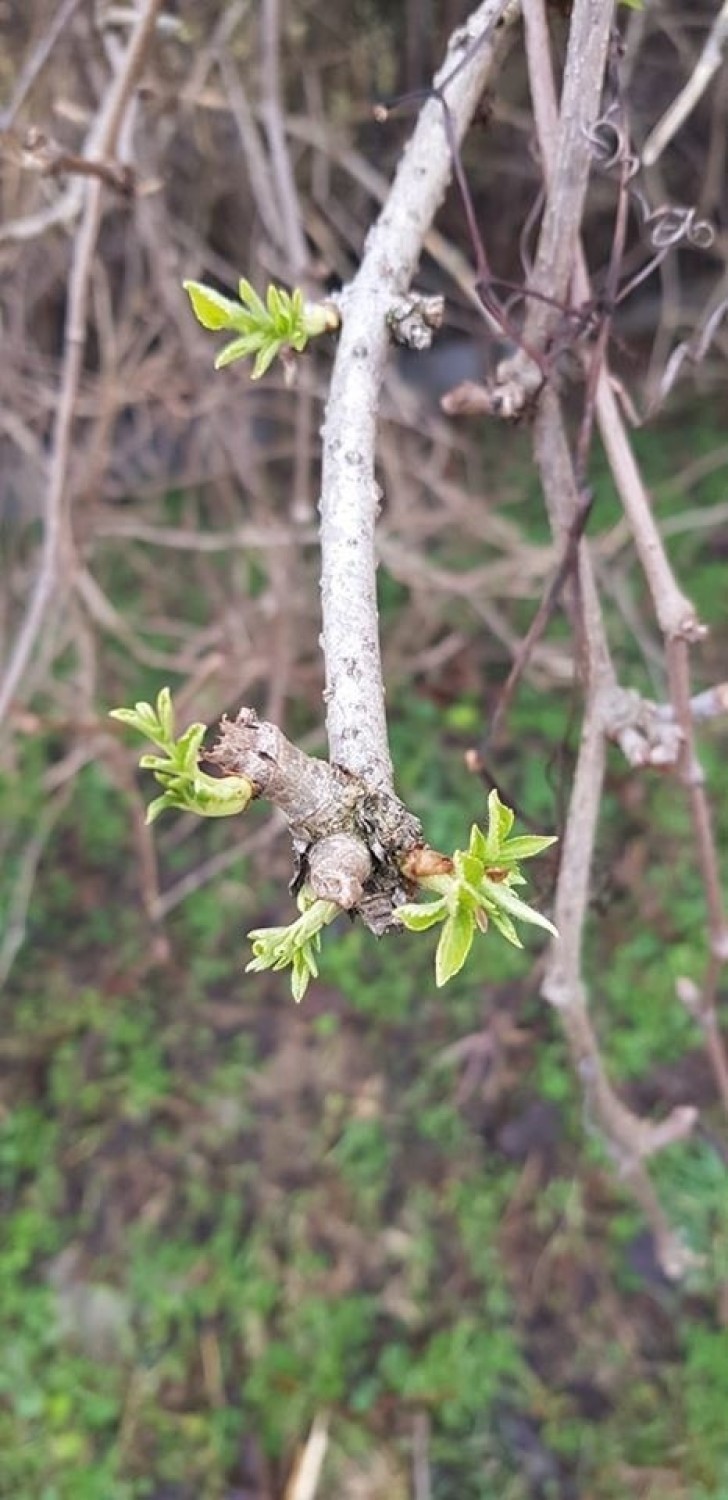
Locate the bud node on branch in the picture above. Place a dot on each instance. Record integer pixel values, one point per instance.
(350, 839)
(338, 868)
(413, 319)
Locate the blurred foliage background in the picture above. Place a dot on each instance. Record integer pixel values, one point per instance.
(381, 1218)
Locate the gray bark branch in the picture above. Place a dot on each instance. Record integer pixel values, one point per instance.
(356, 718)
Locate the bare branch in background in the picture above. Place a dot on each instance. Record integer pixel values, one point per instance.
(56, 538)
(16, 915)
(281, 181)
(629, 1139)
(37, 60)
(564, 984)
(39, 153)
(62, 211)
(706, 67)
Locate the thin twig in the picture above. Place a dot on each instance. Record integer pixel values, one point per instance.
(421, 1472)
(180, 539)
(40, 153)
(304, 1482)
(63, 210)
(255, 158)
(707, 65)
(17, 912)
(124, 776)
(217, 864)
(37, 61)
(56, 536)
(569, 144)
(281, 179)
(546, 608)
(707, 854)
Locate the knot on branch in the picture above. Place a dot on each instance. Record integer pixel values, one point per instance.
(468, 399)
(413, 319)
(350, 840)
(506, 398)
(339, 867)
(645, 735)
(514, 389)
(37, 152)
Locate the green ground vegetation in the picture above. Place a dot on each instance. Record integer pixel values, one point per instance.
(224, 1215)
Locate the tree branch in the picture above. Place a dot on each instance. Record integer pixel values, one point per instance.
(349, 839)
(356, 719)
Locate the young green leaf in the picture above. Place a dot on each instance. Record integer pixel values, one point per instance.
(188, 745)
(177, 770)
(456, 940)
(525, 846)
(218, 796)
(210, 307)
(295, 946)
(250, 299)
(142, 718)
(165, 712)
(264, 329)
(504, 926)
(500, 823)
(157, 763)
(418, 918)
(264, 358)
(468, 867)
(159, 805)
(237, 349)
(478, 890)
(504, 899)
(276, 305)
(478, 848)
